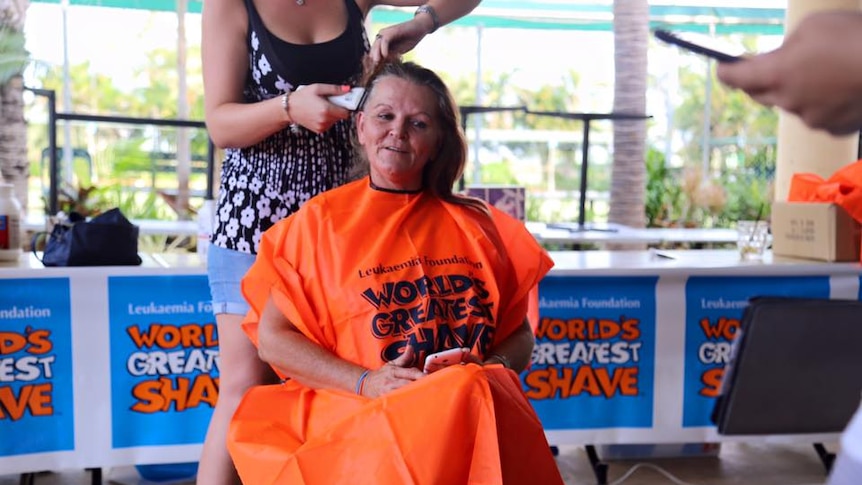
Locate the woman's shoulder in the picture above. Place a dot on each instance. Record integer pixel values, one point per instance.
(338, 195)
(323, 205)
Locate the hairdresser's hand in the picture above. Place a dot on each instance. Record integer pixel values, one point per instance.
(398, 39)
(393, 375)
(815, 74)
(310, 108)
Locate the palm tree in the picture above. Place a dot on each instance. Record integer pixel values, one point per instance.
(14, 166)
(628, 176)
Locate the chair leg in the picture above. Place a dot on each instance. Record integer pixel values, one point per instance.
(826, 457)
(600, 469)
(95, 476)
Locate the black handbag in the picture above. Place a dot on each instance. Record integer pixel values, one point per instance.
(108, 239)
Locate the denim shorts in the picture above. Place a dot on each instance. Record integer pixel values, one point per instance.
(226, 268)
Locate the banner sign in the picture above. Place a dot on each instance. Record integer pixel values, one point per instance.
(36, 399)
(593, 363)
(714, 307)
(164, 359)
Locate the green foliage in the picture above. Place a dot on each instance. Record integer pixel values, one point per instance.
(749, 189)
(748, 198)
(92, 200)
(124, 155)
(533, 208)
(83, 200)
(744, 193)
(13, 55)
(742, 132)
(498, 173)
(735, 119)
(135, 205)
(663, 191)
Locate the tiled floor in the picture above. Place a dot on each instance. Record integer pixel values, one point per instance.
(736, 464)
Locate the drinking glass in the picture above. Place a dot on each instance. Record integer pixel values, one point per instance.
(752, 238)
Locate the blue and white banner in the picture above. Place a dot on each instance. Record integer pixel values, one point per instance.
(164, 359)
(36, 398)
(714, 307)
(593, 365)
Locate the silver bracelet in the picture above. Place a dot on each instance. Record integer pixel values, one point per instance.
(435, 20)
(503, 360)
(285, 105)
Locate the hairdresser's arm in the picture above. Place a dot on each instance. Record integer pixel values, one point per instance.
(402, 38)
(224, 55)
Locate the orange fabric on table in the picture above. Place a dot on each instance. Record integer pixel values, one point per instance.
(364, 273)
(843, 188)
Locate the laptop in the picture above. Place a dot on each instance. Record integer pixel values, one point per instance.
(795, 368)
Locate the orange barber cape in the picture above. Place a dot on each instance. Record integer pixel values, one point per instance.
(364, 273)
(461, 425)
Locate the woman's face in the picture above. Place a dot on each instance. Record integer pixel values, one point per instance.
(399, 131)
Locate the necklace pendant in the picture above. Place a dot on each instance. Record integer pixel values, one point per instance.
(300, 2)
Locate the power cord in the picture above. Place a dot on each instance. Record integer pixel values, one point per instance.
(657, 468)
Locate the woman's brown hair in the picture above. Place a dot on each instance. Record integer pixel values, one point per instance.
(440, 174)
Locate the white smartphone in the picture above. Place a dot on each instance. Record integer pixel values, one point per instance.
(696, 47)
(351, 100)
(439, 360)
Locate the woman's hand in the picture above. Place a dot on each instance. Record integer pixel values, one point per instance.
(815, 74)
(393, 375)
(398, 39)
(310, 107)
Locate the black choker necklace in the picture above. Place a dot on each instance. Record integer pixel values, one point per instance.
(393, 191)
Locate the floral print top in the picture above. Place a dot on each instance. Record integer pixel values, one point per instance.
(264, 183)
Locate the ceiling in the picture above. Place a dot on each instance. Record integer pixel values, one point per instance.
(693, 15)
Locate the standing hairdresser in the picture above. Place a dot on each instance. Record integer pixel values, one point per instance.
(282, 145)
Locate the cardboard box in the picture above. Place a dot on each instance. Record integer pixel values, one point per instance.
(510, 199)
(814, 231)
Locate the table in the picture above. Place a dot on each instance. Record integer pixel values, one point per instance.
(147, 227)
(603, 234)
(630, 349)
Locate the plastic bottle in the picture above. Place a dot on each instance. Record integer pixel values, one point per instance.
(10, 224)
(205, 226)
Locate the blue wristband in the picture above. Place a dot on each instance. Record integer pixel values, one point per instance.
(361, 380)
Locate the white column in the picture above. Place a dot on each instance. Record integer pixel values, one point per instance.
(801, 149)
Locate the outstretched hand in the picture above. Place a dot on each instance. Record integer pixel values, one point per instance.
(815, 74)
(393, 375)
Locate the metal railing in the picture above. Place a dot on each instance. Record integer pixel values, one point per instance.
(54, 116)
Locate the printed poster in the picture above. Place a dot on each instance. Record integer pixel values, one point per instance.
(593, 365)
(36, 398)
(164, 359)
(714, 307)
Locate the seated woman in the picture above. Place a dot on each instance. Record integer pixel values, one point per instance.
(350, 294)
